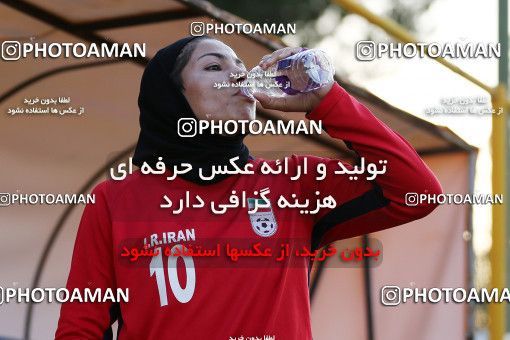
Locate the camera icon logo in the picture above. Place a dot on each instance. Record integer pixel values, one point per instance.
(365, 50)
(197, 29)
(411, 199)
(187, 127)
(5, 199)
(11, 50)
(390, 295)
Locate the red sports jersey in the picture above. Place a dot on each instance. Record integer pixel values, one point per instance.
(218, 297)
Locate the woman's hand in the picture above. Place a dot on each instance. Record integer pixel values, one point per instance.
(301, 102)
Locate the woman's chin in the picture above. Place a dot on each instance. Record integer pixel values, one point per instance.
(243, 112)
(247, 114)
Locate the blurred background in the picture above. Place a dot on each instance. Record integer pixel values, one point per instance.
(413, 85)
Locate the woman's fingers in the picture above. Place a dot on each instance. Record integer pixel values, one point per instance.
(264, 58)
(303, 102)
(299, 103)
(270, 59)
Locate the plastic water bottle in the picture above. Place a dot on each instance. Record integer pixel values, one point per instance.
(302, 72)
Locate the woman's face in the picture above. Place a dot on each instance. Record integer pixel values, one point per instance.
(212, 62)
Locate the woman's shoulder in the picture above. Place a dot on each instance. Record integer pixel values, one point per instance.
(289, 166)
(111, 186)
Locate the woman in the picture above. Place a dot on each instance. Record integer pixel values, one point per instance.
(207, 298)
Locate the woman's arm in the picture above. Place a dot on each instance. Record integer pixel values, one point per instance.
(91, 267)
(365, 206)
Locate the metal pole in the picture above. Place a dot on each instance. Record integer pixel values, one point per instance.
(367, 279)
(400, 33)
(499, 144)
(503, 80)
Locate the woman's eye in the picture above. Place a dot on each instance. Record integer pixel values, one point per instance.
(213, 68)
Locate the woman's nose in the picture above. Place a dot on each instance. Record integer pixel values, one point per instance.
(242, 77)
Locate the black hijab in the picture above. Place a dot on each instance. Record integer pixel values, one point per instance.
(161, 105)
